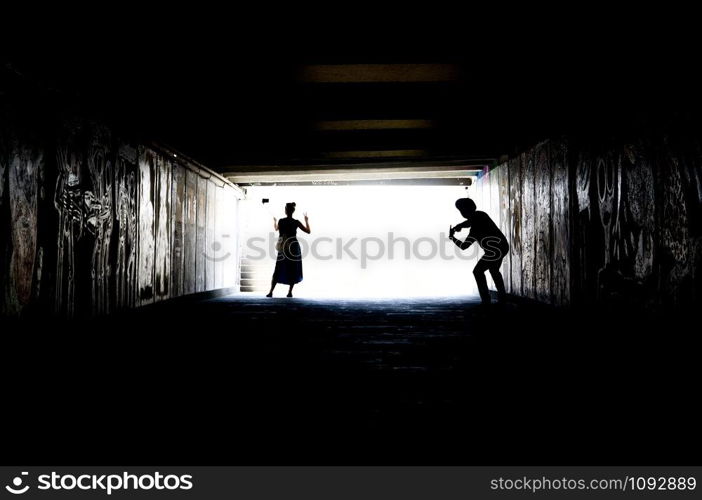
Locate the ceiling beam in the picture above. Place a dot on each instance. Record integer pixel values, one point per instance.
(379, 73)
(312, 175)
(373, 124)
(387, 153)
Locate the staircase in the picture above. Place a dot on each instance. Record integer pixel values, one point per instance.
(255, 272)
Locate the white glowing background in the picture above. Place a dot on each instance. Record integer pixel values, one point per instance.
(421, 214)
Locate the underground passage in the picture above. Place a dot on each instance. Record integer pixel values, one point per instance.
(346, 260)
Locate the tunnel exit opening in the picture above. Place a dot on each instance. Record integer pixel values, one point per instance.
(371, 240)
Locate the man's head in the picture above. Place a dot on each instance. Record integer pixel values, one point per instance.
(466, 206)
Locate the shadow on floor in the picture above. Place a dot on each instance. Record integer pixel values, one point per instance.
(249, 380)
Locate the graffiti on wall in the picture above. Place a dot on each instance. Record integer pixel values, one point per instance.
(69, 204)
(528, 236)
(190, 239)
(126, 227)
(98, 199)
(515, 223)
(162, 224)
(560, 225)
(84, 200)
(502, 182)
(147, 244)
(675, 238)
(209, 236)
(201, 230)
(616, 224)
(625, 190)
(117, 227)
(177, 229)
(626, 229)
(542, 223)
(22, 166)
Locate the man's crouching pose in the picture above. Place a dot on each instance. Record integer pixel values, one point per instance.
(486, 233)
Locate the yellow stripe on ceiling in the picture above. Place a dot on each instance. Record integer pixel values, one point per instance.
(373, 124)
(369, 73)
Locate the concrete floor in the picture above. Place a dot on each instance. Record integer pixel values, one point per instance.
(250, 380)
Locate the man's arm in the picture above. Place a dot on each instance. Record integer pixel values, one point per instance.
(460, 244)
(463, 225)
(463, 244)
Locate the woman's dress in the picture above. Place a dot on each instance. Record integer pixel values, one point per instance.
(288, 266)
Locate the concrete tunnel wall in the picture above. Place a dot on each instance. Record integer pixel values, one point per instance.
(91, 223)
(617, 223)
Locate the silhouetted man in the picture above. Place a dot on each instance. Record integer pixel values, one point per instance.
(486, 233)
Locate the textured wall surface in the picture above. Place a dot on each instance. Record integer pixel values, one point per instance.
(177, 230)
(21, 191)
(617, 224)
(190, 236)
(503, 187)
(560, 224)
(543, 255)
(201, 230)
(91, 224)
(147, 240)
(514, 203)
(527, 224)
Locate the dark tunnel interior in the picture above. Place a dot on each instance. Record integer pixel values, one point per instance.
(125, 176)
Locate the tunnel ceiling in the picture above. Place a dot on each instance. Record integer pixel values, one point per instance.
(241, 105)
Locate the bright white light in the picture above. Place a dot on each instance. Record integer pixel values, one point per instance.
(375, 218)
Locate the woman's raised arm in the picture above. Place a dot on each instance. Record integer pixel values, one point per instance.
(306, 226)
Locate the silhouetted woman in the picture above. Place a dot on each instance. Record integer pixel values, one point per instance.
(288, 266)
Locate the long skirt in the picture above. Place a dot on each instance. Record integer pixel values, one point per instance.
(288, 266)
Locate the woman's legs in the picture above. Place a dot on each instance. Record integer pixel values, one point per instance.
(290, 291)
(273, 284)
